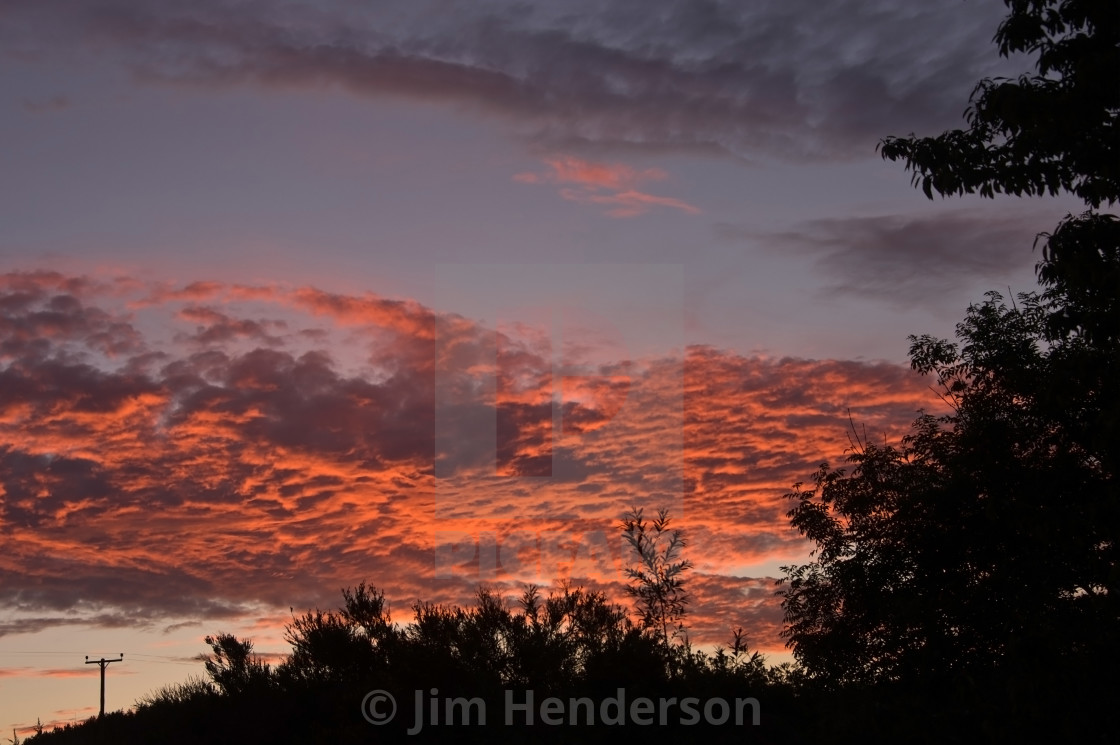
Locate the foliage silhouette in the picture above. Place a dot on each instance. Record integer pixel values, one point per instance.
(1048, 132)
(571, 644)
(980, 537)
(233, 667)
(980, 556)
(657, 584)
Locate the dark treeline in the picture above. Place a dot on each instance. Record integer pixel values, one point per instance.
(569, 645)
(965, 585)
(572, 644)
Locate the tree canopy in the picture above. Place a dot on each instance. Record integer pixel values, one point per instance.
(1048, 132)
(989, 537)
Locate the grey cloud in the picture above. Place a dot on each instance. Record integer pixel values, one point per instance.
(785, 78)
(908, 259)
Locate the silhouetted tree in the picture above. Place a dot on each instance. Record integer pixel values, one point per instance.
(656, 580)
(327, 647)
(983, 550)
(1050, 131)
(973, 541)
(366, 608)
(233, 667)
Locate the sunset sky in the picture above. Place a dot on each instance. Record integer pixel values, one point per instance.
(299, 294)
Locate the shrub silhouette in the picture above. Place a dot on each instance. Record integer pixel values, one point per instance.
(572, 643)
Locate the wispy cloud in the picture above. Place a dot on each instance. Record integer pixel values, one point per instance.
(611, 185)
(62, 672)
(565, 169)
(775, 78)
(909, 259)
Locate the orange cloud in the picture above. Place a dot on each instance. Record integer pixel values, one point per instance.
(617, 176)
(278, 476)
(626, 203)
(610, 184)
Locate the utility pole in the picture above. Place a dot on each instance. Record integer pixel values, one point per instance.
(103, 663)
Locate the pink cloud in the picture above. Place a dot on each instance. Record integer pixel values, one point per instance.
(609, 184)
(570, 170)
(627, 203)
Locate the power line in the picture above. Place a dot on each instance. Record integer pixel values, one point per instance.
(151, 658)
(159, 659)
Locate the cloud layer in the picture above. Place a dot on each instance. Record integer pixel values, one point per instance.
(777, 78)
(907, 259)
(204, 451)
